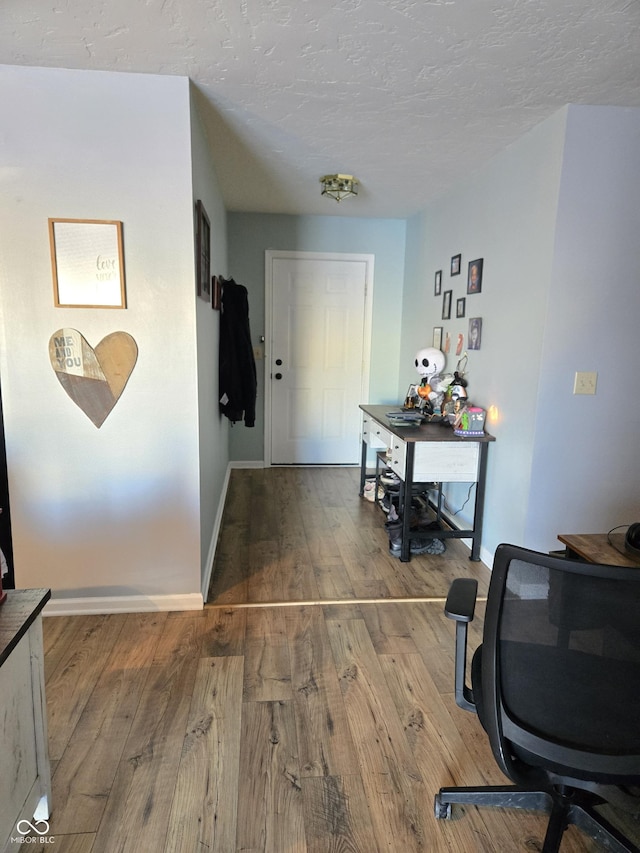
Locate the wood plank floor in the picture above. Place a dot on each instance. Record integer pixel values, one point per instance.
(309, 707)
(304, 534)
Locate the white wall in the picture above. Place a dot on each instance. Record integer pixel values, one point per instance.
(126, 515)
(505, 214)
(113, 511)
(555, 218)
(213, 429)
(586, 466)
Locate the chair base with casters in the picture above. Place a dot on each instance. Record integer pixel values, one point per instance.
(565, 808)
(556, 687)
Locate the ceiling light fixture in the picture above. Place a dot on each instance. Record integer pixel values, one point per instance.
(339, 186)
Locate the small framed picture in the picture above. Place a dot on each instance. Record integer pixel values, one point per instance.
(203, 252)
(475, 333)
(447, 343)
(474, 277)
(460, 306)
(456, 261)
(459, 343)
(437, 337)
(438, 284)
(446, 305)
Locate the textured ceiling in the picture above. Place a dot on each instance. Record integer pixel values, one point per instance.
(409, 95)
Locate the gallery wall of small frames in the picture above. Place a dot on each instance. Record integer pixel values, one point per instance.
(466, 308)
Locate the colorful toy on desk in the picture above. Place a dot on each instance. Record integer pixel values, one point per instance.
(458, 387)
(469, 421)
(456, 395)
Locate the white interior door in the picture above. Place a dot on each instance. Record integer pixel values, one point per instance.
(316, 357)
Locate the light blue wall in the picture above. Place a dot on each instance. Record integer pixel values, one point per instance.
(251, 234)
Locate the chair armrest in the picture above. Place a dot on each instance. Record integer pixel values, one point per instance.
(461, 601)
(460, 606)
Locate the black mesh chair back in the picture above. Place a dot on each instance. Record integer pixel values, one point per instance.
(556, 685)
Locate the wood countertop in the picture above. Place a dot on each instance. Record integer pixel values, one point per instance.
(17, 614)
(606, 549)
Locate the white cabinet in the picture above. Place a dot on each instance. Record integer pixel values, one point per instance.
(437, 461)
(25, 780)
(375, 435)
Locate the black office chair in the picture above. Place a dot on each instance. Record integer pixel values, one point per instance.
(556, 686)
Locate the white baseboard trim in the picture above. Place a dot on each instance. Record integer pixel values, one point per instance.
(218, 521)
(486, 557)
(213, 544)
(89, 606)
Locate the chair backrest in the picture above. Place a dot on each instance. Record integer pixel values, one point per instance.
(561, 666)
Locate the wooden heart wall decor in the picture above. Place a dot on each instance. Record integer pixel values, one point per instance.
(93, 378)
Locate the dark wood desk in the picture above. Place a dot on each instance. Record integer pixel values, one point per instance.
(429, 453)
(596, 548)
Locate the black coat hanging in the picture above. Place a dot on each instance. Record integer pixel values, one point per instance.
(238, 383)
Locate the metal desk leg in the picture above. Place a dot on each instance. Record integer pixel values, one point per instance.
(405, 551)
(363, 467)
(478, 512)
(376, 499)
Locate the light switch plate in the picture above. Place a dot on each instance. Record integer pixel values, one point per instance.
(585, 383)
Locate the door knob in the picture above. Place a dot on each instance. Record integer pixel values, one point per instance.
(278, 361)
(278, 376)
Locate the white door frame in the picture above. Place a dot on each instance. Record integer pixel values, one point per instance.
(275, 254)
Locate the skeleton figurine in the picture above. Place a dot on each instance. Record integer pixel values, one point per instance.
(430, 364)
